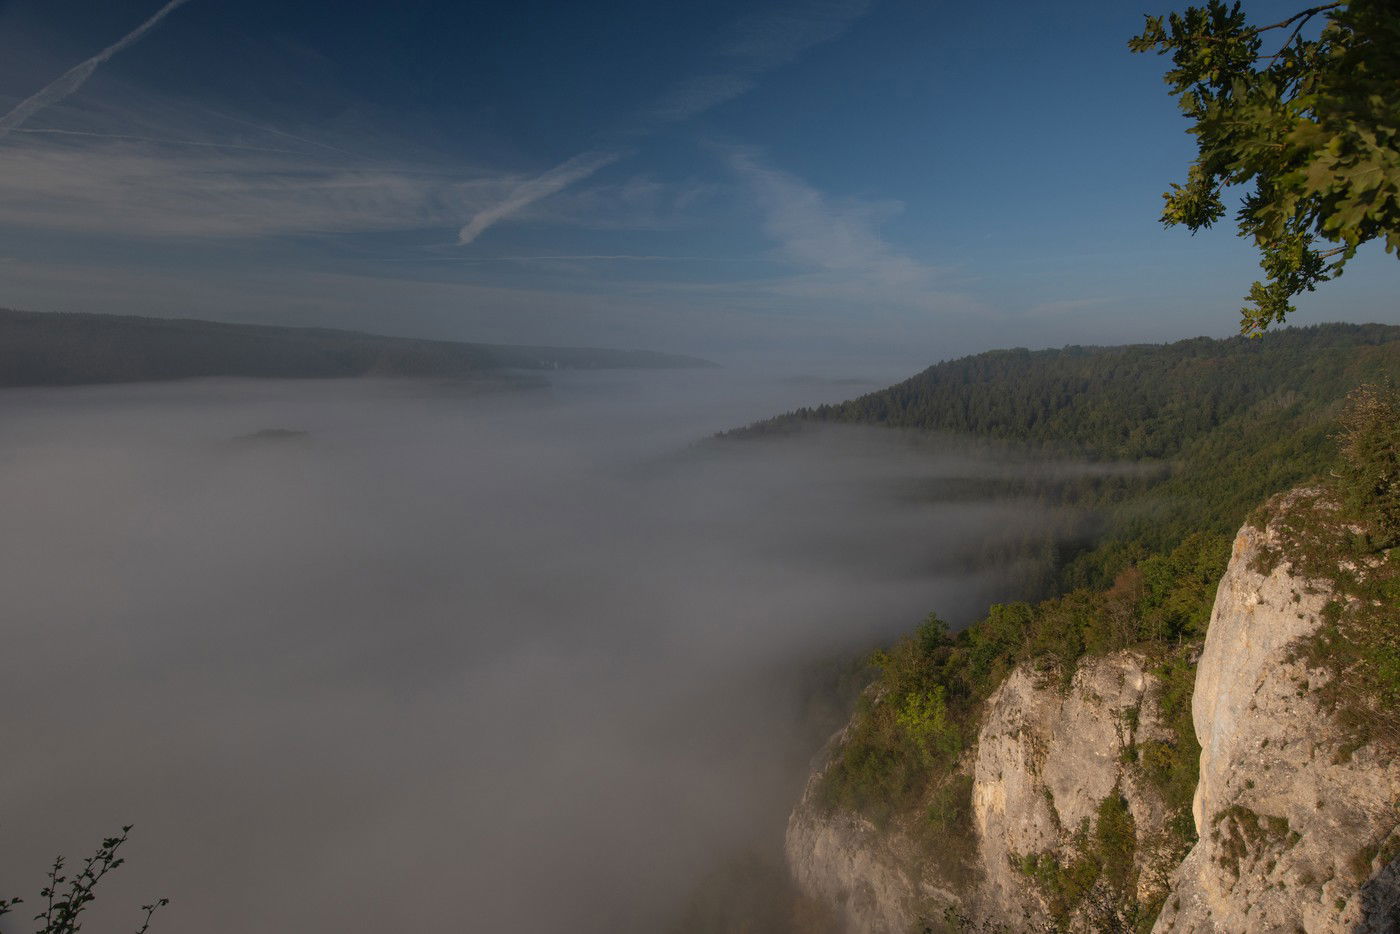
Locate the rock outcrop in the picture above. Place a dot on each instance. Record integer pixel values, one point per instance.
(1046, 758)
(874, 879)
(1298, 827)
(1295, 827)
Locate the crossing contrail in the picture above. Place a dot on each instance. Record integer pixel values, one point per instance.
(77, 76)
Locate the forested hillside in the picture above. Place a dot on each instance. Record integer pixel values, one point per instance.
(1212, 427)
(1220, 427)
(70, 349)
(1136, 401)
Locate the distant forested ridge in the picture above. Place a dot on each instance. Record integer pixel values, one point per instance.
(1130, 402)
(1222, 425)
(40, 349)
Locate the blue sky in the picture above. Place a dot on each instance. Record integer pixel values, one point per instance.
(884, 180)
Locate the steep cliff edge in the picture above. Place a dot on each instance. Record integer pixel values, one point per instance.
(1065, 818)
(1071, 827)
(873, 878)
(1053, 788)
(1299, 826)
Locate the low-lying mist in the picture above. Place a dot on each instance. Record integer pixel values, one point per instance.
(529, 659)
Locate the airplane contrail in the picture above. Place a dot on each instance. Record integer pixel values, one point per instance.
(75, 77)
(532, 190)
(762, 44)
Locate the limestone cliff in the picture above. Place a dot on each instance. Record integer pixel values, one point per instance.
(1046, 760)
(1049, 764)
(1298, 830)
(1298, 826)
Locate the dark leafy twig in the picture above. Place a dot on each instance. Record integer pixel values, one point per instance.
(65, 899)
(151, 910)
(1304, 15)
(1302, 19)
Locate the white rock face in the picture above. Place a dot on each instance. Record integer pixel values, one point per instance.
(1285, 817)
(1293, 826)
(1045, 759)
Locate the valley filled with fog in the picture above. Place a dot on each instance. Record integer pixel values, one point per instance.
(398, 655)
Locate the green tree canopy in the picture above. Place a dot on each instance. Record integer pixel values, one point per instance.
(1312, 123)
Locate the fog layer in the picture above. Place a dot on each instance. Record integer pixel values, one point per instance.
(519, 660)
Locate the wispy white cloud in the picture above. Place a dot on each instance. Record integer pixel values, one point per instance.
(533, 189)
(98, 173)
(639, 202)
(135, 188)
(761, 43)
(836, 243)
(198, 144)
(75, 77)
(164, 184)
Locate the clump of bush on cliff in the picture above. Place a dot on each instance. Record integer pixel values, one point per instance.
(1369, 475)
